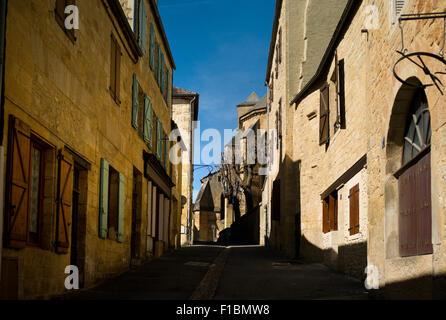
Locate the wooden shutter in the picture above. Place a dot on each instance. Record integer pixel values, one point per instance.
(160, 53)
(424, 216)
(64, 201)
(324, 130)
(407, 213)
(152, 46)
(121, 208)
(169, 88)
(333, 212)
(354, 210)
(148, 120)
(157, 58)
(325, 216)
(17, 183)
(142, 26)
(113, 67)
(135, 102)
(118, 72)
(103, 199)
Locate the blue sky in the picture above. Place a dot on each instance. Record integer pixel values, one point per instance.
(220, 49)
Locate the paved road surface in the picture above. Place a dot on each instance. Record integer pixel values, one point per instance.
(211, 272)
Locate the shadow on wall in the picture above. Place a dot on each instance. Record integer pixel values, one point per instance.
(352, 261)
(349, 259)
(246, 229)
(285, 237)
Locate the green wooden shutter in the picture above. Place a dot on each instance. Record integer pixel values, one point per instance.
(103, 200)
(160, 54)
(163, 75)
(135, 102)
(121, 208)
(148, 119)
(152, 46)
(169, 83)
(142, 26)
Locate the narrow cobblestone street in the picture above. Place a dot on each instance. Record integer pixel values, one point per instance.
(233, 273)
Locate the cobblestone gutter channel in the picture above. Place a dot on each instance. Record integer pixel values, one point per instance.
(208, 286)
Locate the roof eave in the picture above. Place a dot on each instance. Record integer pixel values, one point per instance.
(159, 22)
(273, 39)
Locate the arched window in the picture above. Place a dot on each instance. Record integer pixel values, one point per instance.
(418, 133)
(414, 181)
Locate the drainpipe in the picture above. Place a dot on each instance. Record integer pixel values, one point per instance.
(3, 9)
(191, 169)
(267, 171)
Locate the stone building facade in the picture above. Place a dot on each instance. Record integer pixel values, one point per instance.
(209, 210)
(87, 114)
(185, 108)
(366, 186)
(295, 50)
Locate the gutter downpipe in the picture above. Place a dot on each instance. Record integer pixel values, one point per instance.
(268, 173)
(191, 161)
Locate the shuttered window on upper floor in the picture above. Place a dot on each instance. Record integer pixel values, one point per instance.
(115, 70)
(140, 26)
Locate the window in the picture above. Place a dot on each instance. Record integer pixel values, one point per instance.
(36, 193)
(330, 213)
(354, 210)
(115, 70)
(111, 203)
(324, 120)
(419, 131)
(61, 16)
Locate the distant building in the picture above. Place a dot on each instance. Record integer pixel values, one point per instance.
(185, 112)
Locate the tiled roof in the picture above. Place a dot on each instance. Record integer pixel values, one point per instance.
(182, 92)
(251, 101)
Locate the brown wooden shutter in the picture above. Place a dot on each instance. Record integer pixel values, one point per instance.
(325, 217)
(324, 130)
(341, 94)
(407, 215)
(64, 201)
(113, 67)
(424, 216)
(17, 183)
(118, 72)
(332, 209)
(354, 210)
